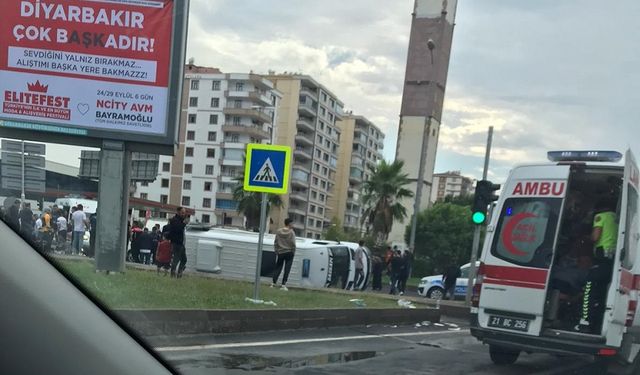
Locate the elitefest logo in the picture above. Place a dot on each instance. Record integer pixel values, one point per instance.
(36, 102)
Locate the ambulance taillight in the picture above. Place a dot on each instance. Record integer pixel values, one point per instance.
(477, 287)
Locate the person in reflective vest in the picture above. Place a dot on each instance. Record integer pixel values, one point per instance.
(604, 236)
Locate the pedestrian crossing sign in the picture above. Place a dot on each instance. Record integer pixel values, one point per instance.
(267, 168)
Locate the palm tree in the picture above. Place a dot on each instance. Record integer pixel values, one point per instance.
(249, 204)
(382, 197)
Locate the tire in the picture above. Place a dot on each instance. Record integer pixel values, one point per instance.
(435, 293)
(503, 356)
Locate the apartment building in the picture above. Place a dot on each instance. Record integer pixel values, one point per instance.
(450, 183)
(361, 144)
(307, 122)
(221, 113)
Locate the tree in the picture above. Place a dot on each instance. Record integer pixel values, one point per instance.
(444, 235)
(249, 203)
(382, 197)
(336, 232)
(460, 200)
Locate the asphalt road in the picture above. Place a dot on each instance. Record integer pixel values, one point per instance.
(432, 349)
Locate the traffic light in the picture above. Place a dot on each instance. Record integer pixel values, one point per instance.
(483, 197)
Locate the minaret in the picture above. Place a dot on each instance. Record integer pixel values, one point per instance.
(422, 98)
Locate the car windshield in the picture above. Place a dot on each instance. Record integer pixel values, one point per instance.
(235, 182)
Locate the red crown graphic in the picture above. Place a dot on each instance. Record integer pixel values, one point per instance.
(37, 87)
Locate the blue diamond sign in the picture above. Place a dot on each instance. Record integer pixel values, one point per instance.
(267, 168)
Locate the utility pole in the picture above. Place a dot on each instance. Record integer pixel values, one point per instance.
(476, 232)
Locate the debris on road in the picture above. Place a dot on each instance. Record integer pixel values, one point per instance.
(358, 302)
(260, 302)
(406, 304)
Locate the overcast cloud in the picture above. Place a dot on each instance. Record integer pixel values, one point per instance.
(546, 74)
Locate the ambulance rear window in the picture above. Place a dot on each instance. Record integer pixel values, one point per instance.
(526, 231)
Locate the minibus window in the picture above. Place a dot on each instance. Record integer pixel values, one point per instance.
(631, 229)
(526, 231)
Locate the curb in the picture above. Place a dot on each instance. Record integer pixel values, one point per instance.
(185, 322)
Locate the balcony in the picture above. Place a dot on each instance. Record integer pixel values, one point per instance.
(312, 93)
(303, 138)
(299, 177)
(302, 153)
(301, 196)
(355, 176)
(255, 96)
(307, 109)
(224, 195)
(230, 162)
(306, 124)
(255, 131)
(248, 112)
(299, 210)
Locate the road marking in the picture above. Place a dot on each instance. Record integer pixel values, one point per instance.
(299, 341)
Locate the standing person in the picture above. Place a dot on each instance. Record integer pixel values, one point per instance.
(70, 227)
(80, 223)
(396, 269)
(378, 267)
(62, 233)
(155, 234)
(145, 243)
(93, 227)
(605, 238)
(359, 265)
(14, 215)
(405, 269)
(163, 254)
(26, 221)
(176, 235)
(285, 247)
(136, 231)
(47, 230)
(449, 280)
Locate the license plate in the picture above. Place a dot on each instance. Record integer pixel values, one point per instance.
(509, 323)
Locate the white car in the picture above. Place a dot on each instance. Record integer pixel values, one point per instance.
(433, 287)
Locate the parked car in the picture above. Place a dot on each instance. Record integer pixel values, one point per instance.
(433, 287)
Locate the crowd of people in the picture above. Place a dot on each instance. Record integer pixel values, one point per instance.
(397, 265)
(56, 229)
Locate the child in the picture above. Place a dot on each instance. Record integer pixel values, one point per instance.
(163, 254)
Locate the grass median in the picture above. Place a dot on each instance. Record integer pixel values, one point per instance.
(142, 289)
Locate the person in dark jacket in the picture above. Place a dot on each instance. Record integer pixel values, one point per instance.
(396, 270)
(13, 216)
(378, 268)
(145, 244)
(136, 231)
(405, 270)
(93, 227)
(449, 280)
(26, 221)
(176, 235)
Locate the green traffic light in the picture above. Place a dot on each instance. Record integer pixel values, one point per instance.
(478, 217)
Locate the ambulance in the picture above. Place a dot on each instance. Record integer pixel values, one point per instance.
(538, 255)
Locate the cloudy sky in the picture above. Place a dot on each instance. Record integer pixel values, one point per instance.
(546, 74)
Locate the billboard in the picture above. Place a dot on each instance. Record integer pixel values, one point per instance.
(92, 69)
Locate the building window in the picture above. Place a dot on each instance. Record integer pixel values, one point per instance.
(320, 139)
(315, 181)
(189, 151)
(207, 186)
(206, 219)
(195, 84)
(316, 167)
(215, 85)
(164, 199)
(325, 171)
(208, 170)
(144, 183)
(164, 183)
(226, 204)
(327, 143)
(324, 97)
(314, 194)
(237, 104)
(309, 235)
(162, 215)
(319, 224)
(144, 196)
(213, 119)
(310, 222)
(323, 183)
(215, 102)
(192, 118)
(186, 184)
(186, 201)
(325, 157)
(321, 197)
(312, 209)
(166, 167)
(193, 102)
(235, 138)
(188, 168)
(323, 112)
(191, 135)
(212, 136)
(211, 152)
(206, 202)
(320, 211)
(318, 153)
(239, 86)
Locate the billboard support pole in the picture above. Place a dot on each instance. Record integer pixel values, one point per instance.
(22, 195)
(113, 186)
(263, 222)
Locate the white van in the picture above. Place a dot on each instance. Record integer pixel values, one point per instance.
(233, 253)
(89, 206)
(538, 256)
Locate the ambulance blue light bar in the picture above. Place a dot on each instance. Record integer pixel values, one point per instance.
(605, 156)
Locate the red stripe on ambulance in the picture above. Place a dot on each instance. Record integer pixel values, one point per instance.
(533, 278)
